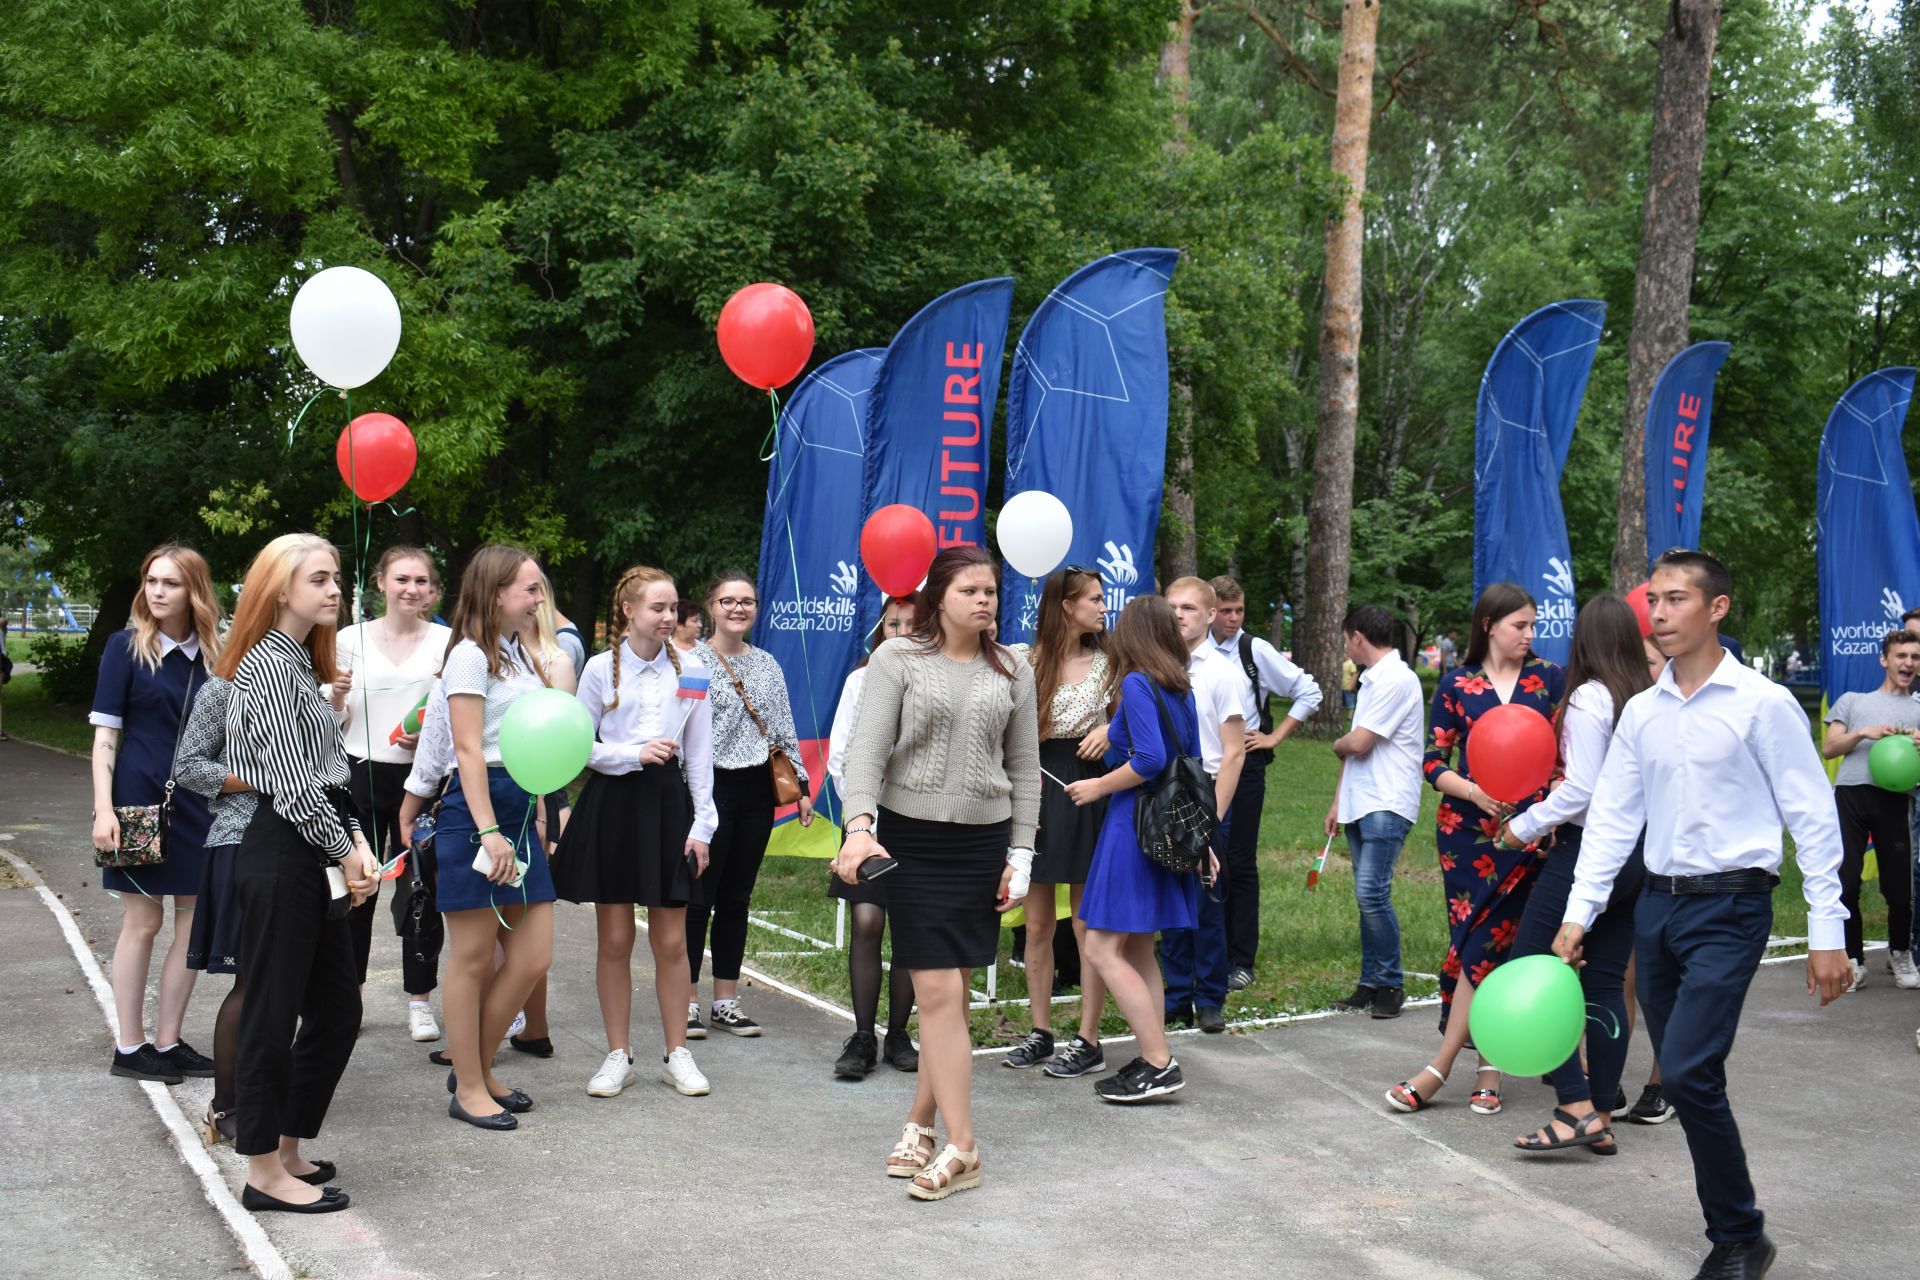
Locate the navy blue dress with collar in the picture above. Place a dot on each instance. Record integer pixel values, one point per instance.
(150, 706)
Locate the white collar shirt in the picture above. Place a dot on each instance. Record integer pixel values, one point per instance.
(1217, 698)
(1586, 727)
(1387, 778)
(190, 646)
(1713, 778)
(648, 709)
(1278, 675)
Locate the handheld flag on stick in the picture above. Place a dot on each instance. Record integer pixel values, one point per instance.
(694, 689)
(409, 723)
(1319, 865)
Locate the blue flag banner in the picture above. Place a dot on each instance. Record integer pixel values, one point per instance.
(930, 415)
(1529, 400)
(1869, 536)
(810, 580)
(1677, 416)
(1087, 423)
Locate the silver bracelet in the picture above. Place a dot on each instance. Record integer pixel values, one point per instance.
(860, 831)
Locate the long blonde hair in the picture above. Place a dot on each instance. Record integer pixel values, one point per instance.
(546, 627)
(270, 574)
(205, 610)
(632, 586)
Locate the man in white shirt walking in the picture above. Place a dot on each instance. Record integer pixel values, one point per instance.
(1267, 672)
(1194, 961)
(1713, 759)
(1378, 800)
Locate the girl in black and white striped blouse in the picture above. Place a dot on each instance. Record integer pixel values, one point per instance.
(301, 847)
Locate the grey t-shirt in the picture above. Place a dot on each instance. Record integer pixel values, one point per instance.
(1862, 711)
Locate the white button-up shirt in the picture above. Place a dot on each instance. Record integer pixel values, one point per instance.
(1277, 675)
(1387, 778)
(1217, 698)
(649, 709)
(1713, 778)
(1586, 727)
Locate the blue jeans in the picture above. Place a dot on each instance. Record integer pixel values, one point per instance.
(1374, 839)
(1193, 962)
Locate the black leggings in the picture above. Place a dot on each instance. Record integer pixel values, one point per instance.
(744, 799)
(1868, 812)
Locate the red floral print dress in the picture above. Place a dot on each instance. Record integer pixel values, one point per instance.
(1486, 887)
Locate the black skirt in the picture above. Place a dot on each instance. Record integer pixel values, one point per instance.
(627, 841)
(213, 945)
(1063, 846)
(942, 895)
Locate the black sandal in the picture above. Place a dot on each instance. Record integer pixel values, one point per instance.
(1588, 1132)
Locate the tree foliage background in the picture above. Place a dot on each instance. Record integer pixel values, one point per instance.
(563, 192)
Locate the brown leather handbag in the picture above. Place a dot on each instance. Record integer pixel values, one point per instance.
(786, 778)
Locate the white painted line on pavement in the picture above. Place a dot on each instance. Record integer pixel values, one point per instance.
(260, 1251)
(755, 975)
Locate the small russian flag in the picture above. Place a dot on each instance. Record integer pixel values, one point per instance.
(692, 686)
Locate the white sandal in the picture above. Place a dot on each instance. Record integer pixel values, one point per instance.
(1486, 1102)
(952, 1170)
(1406, 1086)
(913, 1152)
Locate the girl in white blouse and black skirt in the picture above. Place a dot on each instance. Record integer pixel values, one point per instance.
(639, 835)
(301, 865)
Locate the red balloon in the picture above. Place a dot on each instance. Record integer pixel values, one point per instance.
(376, 454)
(766, 335)
(897, 546)
(1637, 601)
(1511, 752)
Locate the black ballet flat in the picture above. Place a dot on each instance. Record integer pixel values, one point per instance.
(332, 1200)
(512, 1099)
(439, 1058)
(323, 1173)
(541, 1047)
(502, 1120)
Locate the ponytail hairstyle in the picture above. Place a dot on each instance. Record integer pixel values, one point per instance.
(927, 626)
(476, 614)
(202, 608)
(1049, 652)
(1497, 600)
(629, 591)
(271, 574)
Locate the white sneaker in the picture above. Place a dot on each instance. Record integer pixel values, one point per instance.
(420, 1023)
(1906, 975)
(615, 1074)
(1859, 975)
(518, 1025)
(680, 1072)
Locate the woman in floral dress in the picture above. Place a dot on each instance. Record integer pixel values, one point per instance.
(1486, 886)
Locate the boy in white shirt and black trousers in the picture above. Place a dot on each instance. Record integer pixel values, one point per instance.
(1714, 759)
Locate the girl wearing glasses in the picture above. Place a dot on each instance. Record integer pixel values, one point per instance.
(751, 720)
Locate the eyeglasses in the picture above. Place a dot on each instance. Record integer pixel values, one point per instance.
(731, 603)
(1079, 568)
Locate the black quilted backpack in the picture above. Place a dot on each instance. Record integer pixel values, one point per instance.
(1173, 814)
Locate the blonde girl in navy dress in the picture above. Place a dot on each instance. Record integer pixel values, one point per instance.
(149, 675)
(639, 836)
(488, 667)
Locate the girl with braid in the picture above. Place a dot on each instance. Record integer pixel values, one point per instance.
(639, 834)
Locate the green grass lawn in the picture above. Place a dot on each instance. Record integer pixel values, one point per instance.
(30, 716)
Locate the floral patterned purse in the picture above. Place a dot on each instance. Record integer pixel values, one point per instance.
(143, 827)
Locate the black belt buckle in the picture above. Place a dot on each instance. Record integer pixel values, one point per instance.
(1745, 880)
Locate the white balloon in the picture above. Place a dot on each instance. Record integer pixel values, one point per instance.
(1035, 532)
(346, 326)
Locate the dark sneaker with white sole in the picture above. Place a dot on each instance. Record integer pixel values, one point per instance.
(1239, 978)
(1031, 1052)
(1078, 1059)
(1652, 1108)
(1139, 1081)
(731, 1018)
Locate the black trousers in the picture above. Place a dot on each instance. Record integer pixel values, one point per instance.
(1868, 812)
(299, 974)
(377, 789)
(744, 801)
(1240, 862)
(1697, 954)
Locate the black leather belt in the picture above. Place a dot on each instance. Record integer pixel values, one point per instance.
(1748, 880)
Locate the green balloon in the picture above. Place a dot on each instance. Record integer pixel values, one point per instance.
(1894, 762)
(545, 740)
(1526, 1018)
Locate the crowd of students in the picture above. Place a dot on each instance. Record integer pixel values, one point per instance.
(293, 763)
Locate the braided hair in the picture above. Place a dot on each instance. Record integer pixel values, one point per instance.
(628, 591)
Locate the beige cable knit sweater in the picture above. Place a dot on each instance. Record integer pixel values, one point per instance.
(946, 741)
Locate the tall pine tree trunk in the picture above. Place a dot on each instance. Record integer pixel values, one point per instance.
(1330, 510)
(1178, 556)
(1669, 228)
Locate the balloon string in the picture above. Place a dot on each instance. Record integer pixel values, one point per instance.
(295, 424)
(1613, 1032)
(770, 445)
(359, 566)
(518, 841)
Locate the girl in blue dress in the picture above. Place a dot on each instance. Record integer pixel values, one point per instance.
(149, 675)
(1487, 886)
(1128, 897)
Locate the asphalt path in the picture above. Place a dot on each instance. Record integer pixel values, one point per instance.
(1279, 1159)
